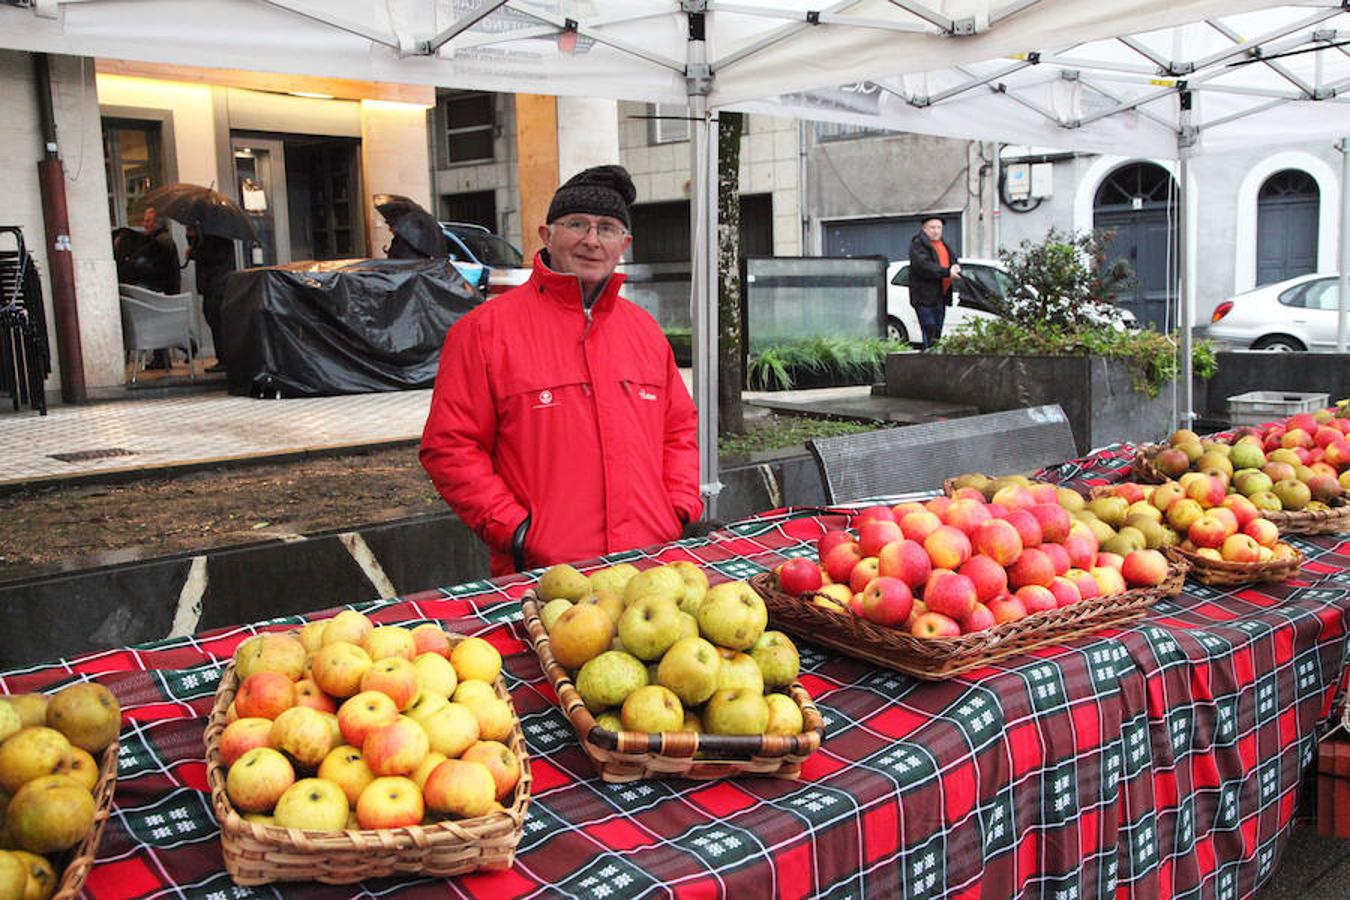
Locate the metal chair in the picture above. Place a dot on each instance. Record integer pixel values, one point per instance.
(918, 457)
(155, 321)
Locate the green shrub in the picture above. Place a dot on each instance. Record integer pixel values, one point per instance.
(851, 361)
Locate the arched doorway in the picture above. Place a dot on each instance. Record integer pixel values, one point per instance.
(1134, 202)
(1286, 226)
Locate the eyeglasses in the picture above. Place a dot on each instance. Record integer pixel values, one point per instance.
(607, 232)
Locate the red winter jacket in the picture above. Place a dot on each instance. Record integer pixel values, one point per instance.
(580, 421)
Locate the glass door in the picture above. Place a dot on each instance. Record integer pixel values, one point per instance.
(260, 188)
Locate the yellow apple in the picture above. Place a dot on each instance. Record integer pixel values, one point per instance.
(397, 748)
(346, 767)
(49, 814)
(390, 802)
(258, 779)
(270, 653)
(361, 714)
(451, 730)
(339, 667)
(500, 761)
(431, 638)
(312, 804)
(395, 676)
(462, 789)
(435, 674)
(348, 626)
(475, 658)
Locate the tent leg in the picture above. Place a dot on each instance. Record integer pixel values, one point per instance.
(1343, 258)
(1185, 142)
(703, 285)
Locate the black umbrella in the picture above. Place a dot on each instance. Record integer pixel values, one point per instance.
(211, 212)
(409, 221)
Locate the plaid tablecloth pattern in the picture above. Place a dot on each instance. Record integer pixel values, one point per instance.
(1164, 759)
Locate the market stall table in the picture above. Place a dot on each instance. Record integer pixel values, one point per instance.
(1164, 758)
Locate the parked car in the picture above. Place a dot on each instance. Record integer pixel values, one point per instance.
(1297, 314)
(476, 245)
(981, 292)
(987, 298)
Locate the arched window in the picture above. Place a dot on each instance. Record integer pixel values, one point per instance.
(1286, 226)
(1135, 202)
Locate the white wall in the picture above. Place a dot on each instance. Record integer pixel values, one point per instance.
(194, 129)
(79, 135)
(394, 160)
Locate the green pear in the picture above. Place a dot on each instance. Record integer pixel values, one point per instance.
(663, 581)
(785, 716)
(652, 708)
(607, 680)
(649, 626)
(736, 711)
(732, 615)
(563, 581)
(690, 668)
(613, 579)
(777, 658)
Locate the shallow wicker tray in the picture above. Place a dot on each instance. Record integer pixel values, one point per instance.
(629, 755)
(258, 854)
(935, 659)
(1224, 572)
(1143, 469)
(1319, 521)
(82, 856)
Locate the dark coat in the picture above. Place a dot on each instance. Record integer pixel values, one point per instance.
(214, 257)
(925, 275)
(147, 260)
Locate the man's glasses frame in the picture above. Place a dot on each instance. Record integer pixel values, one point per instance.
(607, 232)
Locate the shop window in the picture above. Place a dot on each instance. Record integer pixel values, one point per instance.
(133, 157)
(669, 123)
(470, 127)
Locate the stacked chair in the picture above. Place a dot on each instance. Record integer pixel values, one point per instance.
(25, 359)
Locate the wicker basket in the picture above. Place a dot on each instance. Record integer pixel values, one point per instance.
(1142, 469)
(629, 755)
(258, 854)
(82, 856)
(1223, 572)
(934, 659)
(1335, 520)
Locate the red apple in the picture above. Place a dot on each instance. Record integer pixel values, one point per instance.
(264, 695)
(241, 736)
(1109, 579)
(906, 560)
(1240, 548)
(1263, 531)
(1227, 517)
(900, 510)
(935, 625)
(431, 638)
(1144, 568)
(1014, 496)
(969, 493)
(877, 533)
(1065, 591)
(1028, 528)
(1244, 509)
(919, 525)
(938, 505)
(1086, 584)
(1036, 598)
(1054, 521)
(873, 514)
(998, 539)
(948, 593)
(1082, 549)
(1059, 557)
(1007, 608)
(862, 574)
(1032, 567)
(838, 563)
(947, 547)
(799, 575)
(966, 515)
(1207, 531)
(979, 619)
(990, 578)
(831, 539)
(887, 601)
(1109, 560)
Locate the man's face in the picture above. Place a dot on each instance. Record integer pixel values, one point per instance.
(932, 229)
(586, 246)
(150, 219)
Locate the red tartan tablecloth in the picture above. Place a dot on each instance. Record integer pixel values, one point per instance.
(1164, 759)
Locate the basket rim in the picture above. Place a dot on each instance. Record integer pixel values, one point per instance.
(941, 658)
(729, 750)
(1227, 569)
(85, 853)
(233, 825)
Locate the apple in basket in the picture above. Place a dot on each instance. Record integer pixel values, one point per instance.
(798, 576)
(935, 625)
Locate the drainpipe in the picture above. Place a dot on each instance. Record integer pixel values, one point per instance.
(60, 259)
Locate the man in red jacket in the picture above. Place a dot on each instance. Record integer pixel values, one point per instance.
(560, 428)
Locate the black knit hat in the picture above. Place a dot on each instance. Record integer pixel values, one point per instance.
(599, 191)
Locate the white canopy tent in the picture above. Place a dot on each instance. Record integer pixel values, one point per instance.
(709, 55)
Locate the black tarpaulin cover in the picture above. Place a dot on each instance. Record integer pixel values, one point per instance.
(340, 327)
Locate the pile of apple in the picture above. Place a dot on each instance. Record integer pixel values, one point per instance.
(1301, 463)
(660, 650)
(966, 563)
(351, 726)
(49, 767)
(1195, 514)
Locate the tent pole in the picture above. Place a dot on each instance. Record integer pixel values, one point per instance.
(1186, 146)
(703, 260)
(1343, 258)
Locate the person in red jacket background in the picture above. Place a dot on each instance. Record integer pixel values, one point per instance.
(560, 428)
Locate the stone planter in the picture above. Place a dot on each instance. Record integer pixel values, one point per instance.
(1095, 393)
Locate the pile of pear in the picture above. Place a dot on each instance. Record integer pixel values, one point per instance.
(660, 650)
(49, 768)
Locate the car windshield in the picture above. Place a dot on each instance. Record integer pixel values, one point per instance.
(491, 249)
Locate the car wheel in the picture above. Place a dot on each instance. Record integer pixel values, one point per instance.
(1280, 343)
(895, 331)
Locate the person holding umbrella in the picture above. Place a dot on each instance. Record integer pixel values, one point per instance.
(560, 428)
(214, 222)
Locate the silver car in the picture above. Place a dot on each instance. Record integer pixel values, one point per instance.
(1298, 314)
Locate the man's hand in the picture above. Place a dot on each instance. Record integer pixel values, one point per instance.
(955, 270)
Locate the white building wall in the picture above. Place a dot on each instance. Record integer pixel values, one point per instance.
(79, 134)
(394, 160)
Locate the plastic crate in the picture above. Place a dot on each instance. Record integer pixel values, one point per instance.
(1258, 407)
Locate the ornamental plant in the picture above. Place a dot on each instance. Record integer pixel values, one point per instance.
(1068, 308)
